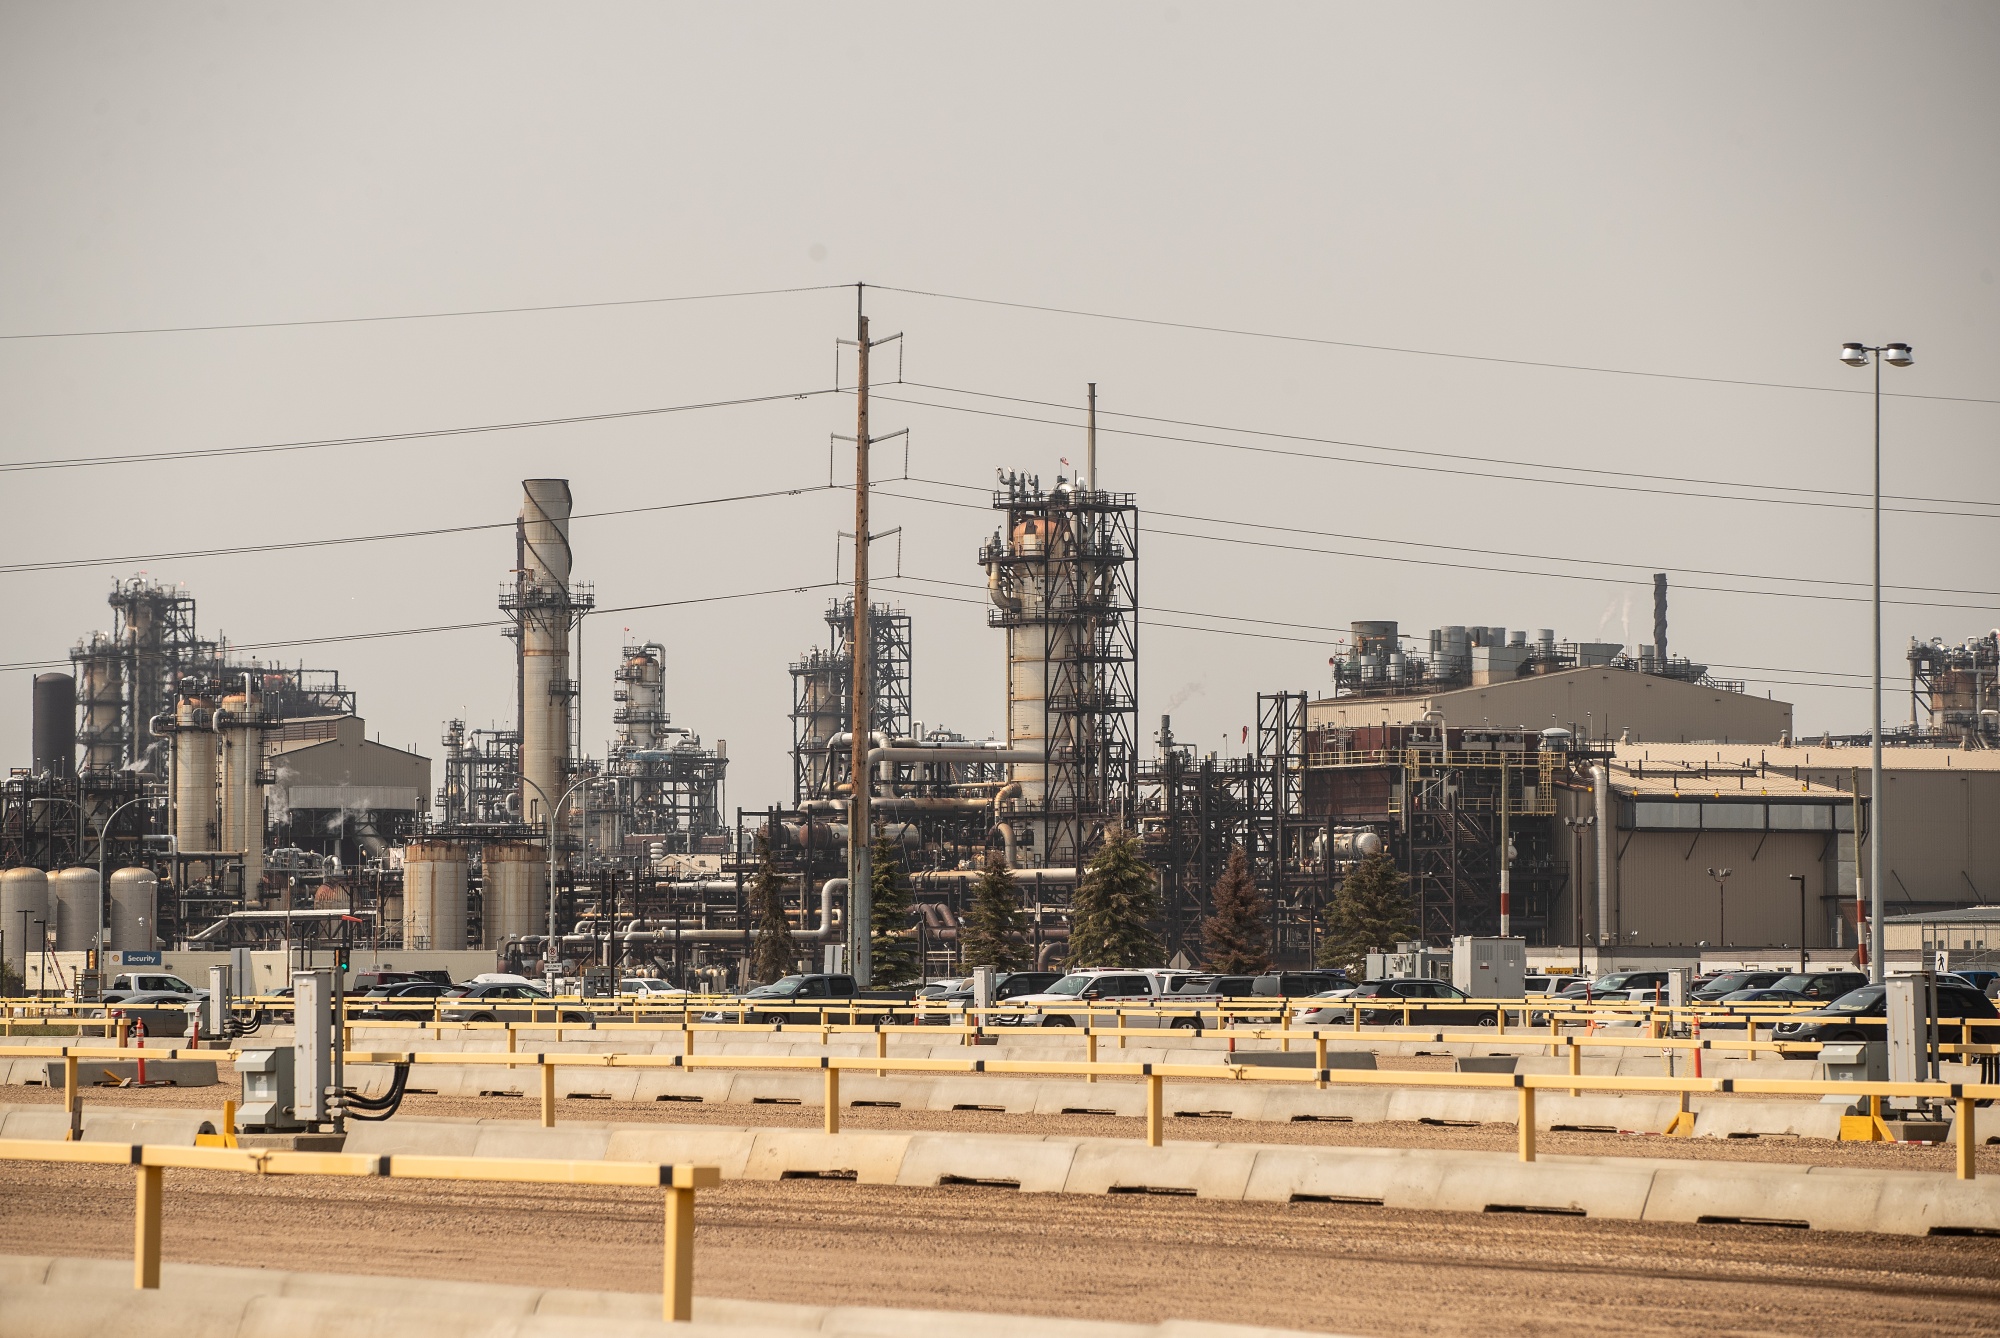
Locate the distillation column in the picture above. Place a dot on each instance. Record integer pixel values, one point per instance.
(239, 725)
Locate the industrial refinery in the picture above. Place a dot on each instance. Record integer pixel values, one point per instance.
(183, 796)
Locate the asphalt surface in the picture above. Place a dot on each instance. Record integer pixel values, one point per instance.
(1314, 1266)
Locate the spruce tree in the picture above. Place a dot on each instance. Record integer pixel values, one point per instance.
(1115, 901)
(771, 953)
(1236, 936)
(1370, 913)
(992, 934)
(892, 950)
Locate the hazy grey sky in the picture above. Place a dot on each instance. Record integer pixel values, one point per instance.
(1707, 190)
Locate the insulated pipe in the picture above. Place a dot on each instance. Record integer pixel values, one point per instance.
(956, 753)
(1006, 829)
(1600, 789)
(818, 934)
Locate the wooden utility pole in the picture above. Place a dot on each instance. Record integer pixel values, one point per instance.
(860, 898)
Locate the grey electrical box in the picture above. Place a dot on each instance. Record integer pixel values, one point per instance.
(267, 1090)
(834, 959)
(242, 974)
(1417, 964)
(312, 1044)
(982, 987)
(220, 1000)
(1490, 968)
(1678, 979)
(1912, 1017)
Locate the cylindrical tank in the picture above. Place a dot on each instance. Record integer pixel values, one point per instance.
(434, 896)
(517, 891)
(643, 717)
(24, 906)
(241, 817)
(135, 906)
(543, 608)
(194, 777)
(73, 908)
(1032, 644)
(55, 725)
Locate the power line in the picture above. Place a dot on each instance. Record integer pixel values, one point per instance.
(1438, 469)
(1450, 455)
(93, 461)
(1469, 566)
(24, 665)
(1502, 552)
(420, 315)
(1415, 352)
(243, 549)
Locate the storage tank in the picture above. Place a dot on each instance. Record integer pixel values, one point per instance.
(1021, 590)
(24, 901)
(55, 725)
(434, 896)
(543, 609)
(517, 891)
(73, 908)
(240, 818)
(135, 910)
(194, 777)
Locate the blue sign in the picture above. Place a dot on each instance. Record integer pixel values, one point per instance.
(136, 957)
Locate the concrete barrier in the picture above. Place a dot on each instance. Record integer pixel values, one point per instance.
(1632, 1188)
(92, 1298)
(123, 1124)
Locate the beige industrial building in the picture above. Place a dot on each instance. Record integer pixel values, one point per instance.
(1604, 702)
(1765, 814)
(327, 774)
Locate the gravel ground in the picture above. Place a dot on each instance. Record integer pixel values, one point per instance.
(1144, 1258)
(1397, 1134)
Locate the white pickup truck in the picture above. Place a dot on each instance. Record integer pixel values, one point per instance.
(1097, 996)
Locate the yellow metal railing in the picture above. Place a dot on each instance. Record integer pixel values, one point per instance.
(152, 1161)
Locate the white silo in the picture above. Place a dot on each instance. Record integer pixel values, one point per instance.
(516, 901)
(135, 910)
(434, 896)
(24, 910)
(73, 903)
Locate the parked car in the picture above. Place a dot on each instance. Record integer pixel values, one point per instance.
(1067, 1001)
(1007, 987)
(804, 998)
(1821, 985)
(1731, 982)
(1860, 1015)
(506, 1002)
(1617, 985)
(645, 986)
(402, 1001)
(1428, 1002)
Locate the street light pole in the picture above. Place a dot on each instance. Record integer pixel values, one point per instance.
(1721, 877)
(555, 810)
(1862, 355)
(1800, 879)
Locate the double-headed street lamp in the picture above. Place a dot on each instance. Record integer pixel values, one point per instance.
(555, 809)
(1862, 355)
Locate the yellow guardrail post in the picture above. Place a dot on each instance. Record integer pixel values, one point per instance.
(1527, 1121)
(1967, 1138)
(1090, 1051)
(146, 1229)
(1575, 1064)
(677, 1290)
(548, 1091)
(881, 1048)
(72, 1100)
(1319, 1058)
(511, 1040)
(832, 1097)
(1155, 1107)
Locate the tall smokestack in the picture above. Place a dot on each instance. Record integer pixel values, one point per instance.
(1660, 619)
(542, 608)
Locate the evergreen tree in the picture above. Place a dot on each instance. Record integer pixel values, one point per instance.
(1368, 914)
(1236, 935)
(1115, 900)
(992, 934)
(892, 949)
(771, 953)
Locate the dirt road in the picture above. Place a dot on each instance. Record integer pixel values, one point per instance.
(1316, 1266)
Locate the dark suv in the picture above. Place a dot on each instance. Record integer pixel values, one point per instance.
(1859, 1015)
(1427, 1000)
(1821, 986)
(1731, 981)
